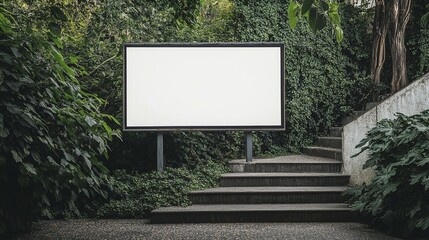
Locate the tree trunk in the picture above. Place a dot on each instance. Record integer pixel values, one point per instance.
(399, 14)
(381, 23)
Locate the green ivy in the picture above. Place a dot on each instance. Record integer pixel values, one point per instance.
(51, 131)
(325, 80)
(135, 195)
(398, 196)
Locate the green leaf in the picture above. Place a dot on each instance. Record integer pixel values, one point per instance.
(85, 191)
(293, 11)
(334, 17)
(423, 223)
(45, 212)
(423, 161)
(73, 59)
(15, 52)
(30, 168)
(362, 143)
(16, 156)
(321, 21)
(306, 6)
(58, 14)
(55, 29)
(91, 121)
(339, 34)
(312, 19)
(5, 25)
(106, 127)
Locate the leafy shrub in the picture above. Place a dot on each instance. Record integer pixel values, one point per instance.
(135, 195)
(51, 130)
(398, 196)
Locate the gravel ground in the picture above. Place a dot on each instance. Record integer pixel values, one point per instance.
(141, 229)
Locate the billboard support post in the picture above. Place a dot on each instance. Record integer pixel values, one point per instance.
(249, 143)
(160, 152)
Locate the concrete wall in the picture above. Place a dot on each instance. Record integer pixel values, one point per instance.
(411, 100)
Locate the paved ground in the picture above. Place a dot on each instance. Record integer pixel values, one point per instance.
(140, 229)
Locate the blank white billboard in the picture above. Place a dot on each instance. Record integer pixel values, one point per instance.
(204, 86)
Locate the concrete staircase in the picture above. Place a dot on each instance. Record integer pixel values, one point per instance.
(328, 147)
(295, 188)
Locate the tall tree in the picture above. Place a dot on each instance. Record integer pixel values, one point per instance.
(391, 19)
(379, 45)
(399, 11)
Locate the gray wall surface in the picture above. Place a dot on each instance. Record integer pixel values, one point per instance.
(411, 100)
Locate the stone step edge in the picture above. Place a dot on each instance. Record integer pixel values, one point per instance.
(255, 162)
(339, 150)
(281, 175)
(297, 207)
(268, 190)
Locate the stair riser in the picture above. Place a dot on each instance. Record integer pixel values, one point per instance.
(290, 167)
(336, 132)
(254, 216)
(267, 198)
(283, 181)
(323, 153)
(331, 143)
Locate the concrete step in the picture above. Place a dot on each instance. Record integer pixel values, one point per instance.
(290, 163)
(330, 142)
(266, 195)
(217, 213)
(325, 152)
(352, 117)
(336, 131)
(283, 179)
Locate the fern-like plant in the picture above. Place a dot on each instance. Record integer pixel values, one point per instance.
(397, 199)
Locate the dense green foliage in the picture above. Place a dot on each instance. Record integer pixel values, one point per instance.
(135, 195)
(398, 196)
(417, 41)
(51, 131)
(323, 80)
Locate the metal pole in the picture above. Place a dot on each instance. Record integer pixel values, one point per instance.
(249, 143)
(160, 152)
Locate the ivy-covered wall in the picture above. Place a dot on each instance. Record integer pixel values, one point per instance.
(324, 81)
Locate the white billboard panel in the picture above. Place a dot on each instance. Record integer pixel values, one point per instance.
(204, 86)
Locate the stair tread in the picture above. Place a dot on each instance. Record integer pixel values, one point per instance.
(282, 174)
(271, 189)
(325, 148)
(304, 159)
(329, 137)
(257, 207)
